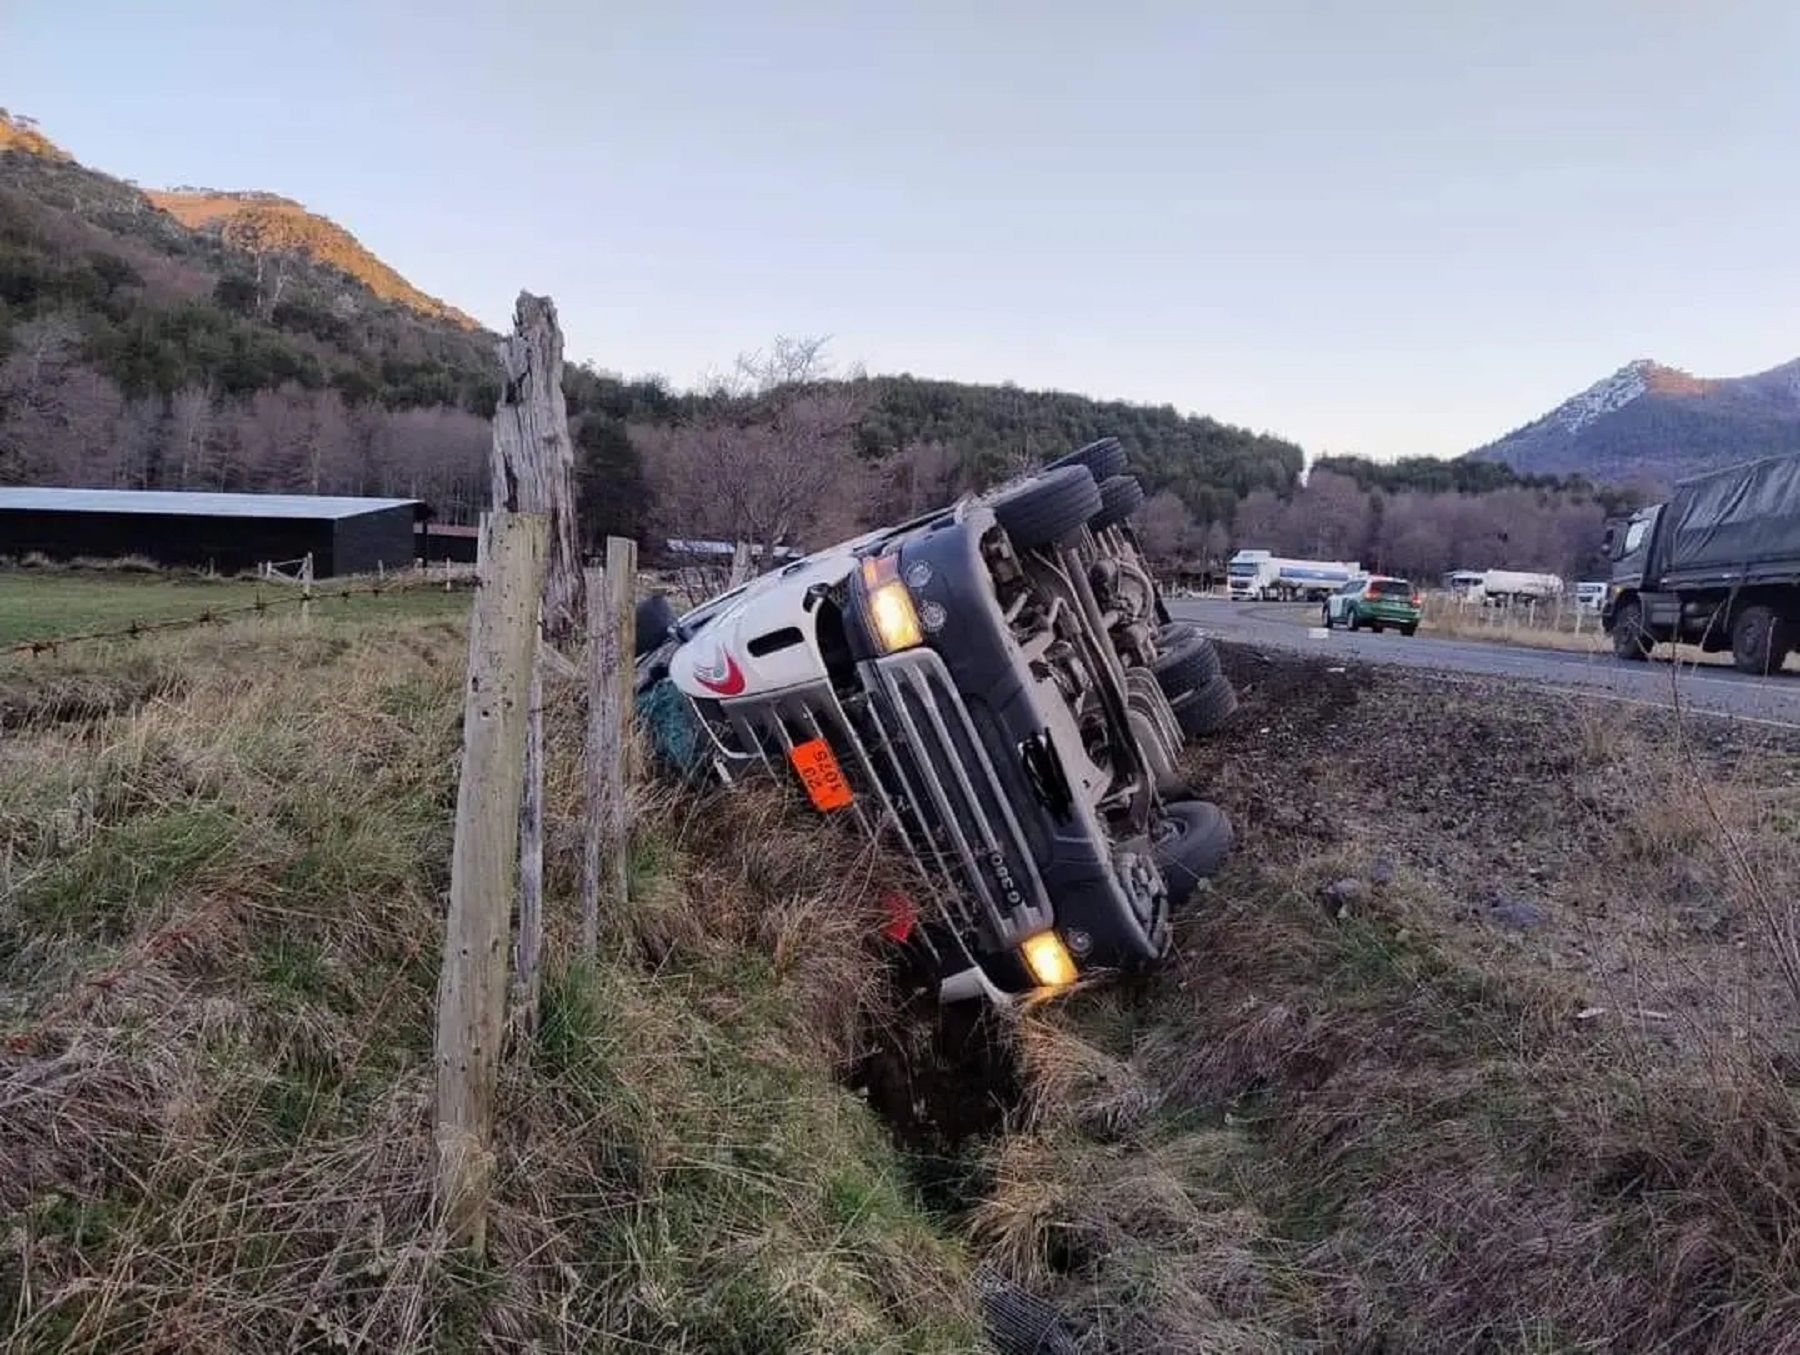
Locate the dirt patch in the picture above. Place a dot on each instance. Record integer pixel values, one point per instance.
(1609, 842)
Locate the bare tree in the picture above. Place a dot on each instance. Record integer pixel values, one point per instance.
(1258, 519)
(919, 477)
(1166, 528)
(773, 461)
(190, 424)
(56, 416)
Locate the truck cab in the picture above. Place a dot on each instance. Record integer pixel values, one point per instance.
(1628, 545)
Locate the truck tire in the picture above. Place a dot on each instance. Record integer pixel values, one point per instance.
(1048, 508)
(1190, 843)
(1760, 640)
(1120, 497)
(1629, 640)
(1186, 666)
(1102, 459)
(1205, 708)
(1410, 629)
(1325, 616)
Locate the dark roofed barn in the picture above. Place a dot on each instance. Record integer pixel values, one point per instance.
(228, 533)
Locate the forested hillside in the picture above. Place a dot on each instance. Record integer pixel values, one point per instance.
(200, 339)
(233, 340)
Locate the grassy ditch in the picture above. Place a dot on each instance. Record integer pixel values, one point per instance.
(1486, 1042)
(222, 874)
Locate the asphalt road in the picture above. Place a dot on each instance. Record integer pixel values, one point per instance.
(1718, 691)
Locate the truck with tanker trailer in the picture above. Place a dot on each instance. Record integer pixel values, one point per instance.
(1717, 566)
(1259, 575)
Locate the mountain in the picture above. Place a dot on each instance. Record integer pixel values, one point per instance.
(193, 338)
(22, 134)
(266, 223)
(1651, 421)
(221, 341)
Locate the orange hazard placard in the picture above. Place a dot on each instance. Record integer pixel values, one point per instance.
(826, 785)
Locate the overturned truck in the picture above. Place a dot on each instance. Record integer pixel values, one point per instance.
(996, 689)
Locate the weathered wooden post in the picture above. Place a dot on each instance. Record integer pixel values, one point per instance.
(483, 862)
(740, 564)
(606, 847)
(534, 472)
(621, 591)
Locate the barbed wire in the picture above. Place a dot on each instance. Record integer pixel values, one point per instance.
(219, 615)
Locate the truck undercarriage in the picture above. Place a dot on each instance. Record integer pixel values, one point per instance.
(996, 691)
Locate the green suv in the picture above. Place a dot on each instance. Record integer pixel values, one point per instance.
(1375, 601)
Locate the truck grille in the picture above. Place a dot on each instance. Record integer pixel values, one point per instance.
(921, 775)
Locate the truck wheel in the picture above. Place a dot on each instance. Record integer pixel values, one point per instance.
(1190, 843)
(1628, 637)
(1120, 497)
(1186, 666)
(1048, 508)
(1325, 616)
(1759, 641)
(1354, 620)
(1205, 708)
(1102, 459)
(1411, 629)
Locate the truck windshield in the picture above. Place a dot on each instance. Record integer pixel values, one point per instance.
(1241, 571)
(1634, 535)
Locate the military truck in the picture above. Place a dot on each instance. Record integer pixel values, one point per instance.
(1717, 566)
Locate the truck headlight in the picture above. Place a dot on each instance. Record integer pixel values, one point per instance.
(1048, 960)
(892, 615)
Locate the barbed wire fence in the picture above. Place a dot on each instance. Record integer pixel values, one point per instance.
(263, 605)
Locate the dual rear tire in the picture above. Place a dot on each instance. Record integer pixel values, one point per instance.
(1761, 640)
(1188, 672)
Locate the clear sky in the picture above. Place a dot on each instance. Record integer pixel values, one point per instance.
(1390, 227)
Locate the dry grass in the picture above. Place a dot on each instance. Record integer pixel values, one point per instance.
(1448, 621)
(1404, 1125)
(221, 883)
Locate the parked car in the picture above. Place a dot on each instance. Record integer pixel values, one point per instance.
(1376, 601)
(994, 688)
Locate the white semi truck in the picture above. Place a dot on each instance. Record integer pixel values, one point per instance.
(1259, 575)
(1500, 587)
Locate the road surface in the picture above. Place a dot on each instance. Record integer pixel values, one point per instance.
(1719, 691)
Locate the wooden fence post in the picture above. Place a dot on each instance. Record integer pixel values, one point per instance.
(533, 468)
(606, 846)
(528, 939)
(740, 564)
(621, 588)
(534, 457)
(472, 983)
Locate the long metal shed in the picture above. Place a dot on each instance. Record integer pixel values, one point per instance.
(228, 533)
